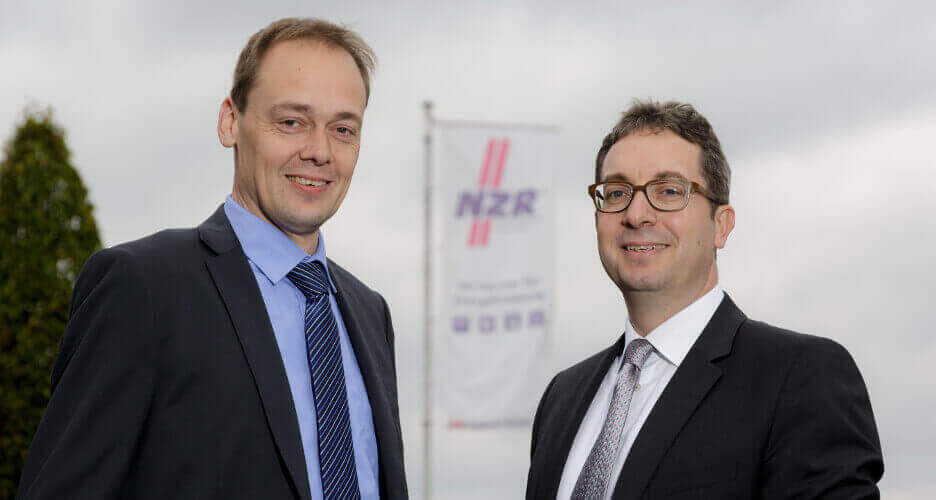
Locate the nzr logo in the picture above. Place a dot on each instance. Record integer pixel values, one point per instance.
(488, 200)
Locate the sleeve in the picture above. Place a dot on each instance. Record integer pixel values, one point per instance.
(531, 477)
(102, 385)
(395, 397)
(536, 418)
(390, 342)
(389, 331)
(823, 441)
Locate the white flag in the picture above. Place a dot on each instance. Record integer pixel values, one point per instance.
(493, 311)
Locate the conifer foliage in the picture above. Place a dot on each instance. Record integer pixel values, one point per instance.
(47, 231)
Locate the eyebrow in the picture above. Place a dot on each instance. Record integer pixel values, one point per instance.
(306, 109)
(666, 174)
(347, 115)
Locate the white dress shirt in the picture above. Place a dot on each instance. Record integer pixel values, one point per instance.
(671, 342)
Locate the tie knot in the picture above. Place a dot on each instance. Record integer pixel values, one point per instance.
(637, 352)
(310, 279)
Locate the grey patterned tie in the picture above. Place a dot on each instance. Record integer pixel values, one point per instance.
(593, 481)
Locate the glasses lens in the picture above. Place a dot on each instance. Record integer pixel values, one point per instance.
(668, 195)
(612, 197)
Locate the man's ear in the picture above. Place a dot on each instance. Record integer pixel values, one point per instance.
(227, 123)
(724, 223)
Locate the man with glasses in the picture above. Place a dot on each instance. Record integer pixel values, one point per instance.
(694, 400)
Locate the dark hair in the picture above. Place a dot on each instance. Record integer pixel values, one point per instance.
(293, 28)
(682, 119)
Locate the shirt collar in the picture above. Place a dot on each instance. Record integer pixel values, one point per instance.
(675, 336)
(267, 247)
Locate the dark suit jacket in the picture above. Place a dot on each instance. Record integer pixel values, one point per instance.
(170, 384)
(753, 411)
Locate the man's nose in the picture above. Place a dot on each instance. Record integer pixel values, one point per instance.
(317, 147)
(640, 212)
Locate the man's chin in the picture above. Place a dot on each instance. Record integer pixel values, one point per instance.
(305, 227)
(299, 225)
(640, 284)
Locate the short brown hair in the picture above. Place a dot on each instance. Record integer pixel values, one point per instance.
(293, 28)
(682, 119)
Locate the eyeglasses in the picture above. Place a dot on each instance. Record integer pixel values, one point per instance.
(665, 195)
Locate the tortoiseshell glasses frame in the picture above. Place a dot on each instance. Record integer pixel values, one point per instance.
(665, 195)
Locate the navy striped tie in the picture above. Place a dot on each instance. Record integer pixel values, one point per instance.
(335, 445)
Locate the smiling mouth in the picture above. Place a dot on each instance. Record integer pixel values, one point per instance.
(644, 248)
(302, 181)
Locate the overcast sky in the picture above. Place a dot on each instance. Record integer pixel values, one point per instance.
(825, 110)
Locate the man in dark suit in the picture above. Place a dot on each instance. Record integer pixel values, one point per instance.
(694, 400)
(234, 360)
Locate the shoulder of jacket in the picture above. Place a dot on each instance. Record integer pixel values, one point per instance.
(763, 336)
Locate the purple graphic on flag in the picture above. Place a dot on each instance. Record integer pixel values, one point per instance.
(486, 324)
(537, 318)
(513, 321)
(495, 203)
(460, 324)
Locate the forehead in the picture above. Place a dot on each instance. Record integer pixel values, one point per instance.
(644, 155)
(309, 72)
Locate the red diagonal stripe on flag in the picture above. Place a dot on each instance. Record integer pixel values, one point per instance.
(472, 233)
(501, 160)
(486, 165)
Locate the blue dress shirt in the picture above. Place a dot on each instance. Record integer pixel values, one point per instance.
(272, 255)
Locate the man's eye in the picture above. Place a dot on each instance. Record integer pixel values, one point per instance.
(345, 131)
(288, 123)
(616, 194)
(672, 191)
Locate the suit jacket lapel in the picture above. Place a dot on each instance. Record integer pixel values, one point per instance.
(557, 450)
(238, 288)
(368, 347)
(689, 385)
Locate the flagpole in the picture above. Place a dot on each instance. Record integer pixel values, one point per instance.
(427, 307)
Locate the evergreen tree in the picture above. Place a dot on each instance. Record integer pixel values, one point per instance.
(47, 232)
